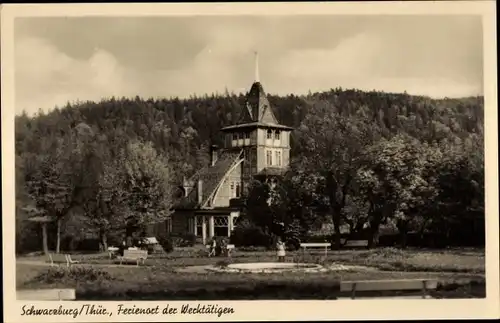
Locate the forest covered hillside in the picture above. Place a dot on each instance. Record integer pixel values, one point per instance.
(338, 136)
(184, 129)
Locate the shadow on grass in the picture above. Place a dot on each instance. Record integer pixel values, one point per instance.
(268, 292)
(251, 292)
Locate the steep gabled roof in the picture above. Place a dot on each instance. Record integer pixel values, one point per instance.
(257, 107)
(212, 176)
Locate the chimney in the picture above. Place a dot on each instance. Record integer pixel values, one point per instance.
(187, 185)
(200, 191)
(213, 154)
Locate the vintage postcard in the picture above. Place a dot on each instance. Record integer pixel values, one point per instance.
(249, 161)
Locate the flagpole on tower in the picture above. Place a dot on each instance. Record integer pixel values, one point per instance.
(256, 66)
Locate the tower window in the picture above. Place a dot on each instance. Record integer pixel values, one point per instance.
(269, 157)
(278, 158)
(235, 136)
(269, 134)
(277, 135)
(247, 135)
(241, 135)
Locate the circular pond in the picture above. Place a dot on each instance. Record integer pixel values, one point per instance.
(269, 267)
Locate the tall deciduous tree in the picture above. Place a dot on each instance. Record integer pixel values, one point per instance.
(146, 180)
(394, 182)
(51, 187)
(332, 146)
(109, 210)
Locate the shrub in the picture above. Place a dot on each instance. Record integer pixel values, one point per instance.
(223, 263)
(87, 245)
(221, 243)
(73, 274)
(166, 243)
(318, 238)
(250, 235)
(184, 240)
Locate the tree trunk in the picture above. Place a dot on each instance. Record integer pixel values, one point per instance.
(374, 238)
(337, 239)
(104, 240)
(403, 239)
(403, 233)
(374, 232)
(58, 243)
(336, 229)
(44, 235)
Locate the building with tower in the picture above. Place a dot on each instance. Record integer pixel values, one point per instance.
(256, 147)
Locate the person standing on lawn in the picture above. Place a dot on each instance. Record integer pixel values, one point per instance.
(122, 247)
(280, 248)
(213, 246)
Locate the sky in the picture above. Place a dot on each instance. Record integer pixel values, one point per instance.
(61, 59)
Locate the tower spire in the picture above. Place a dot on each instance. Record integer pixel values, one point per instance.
(256, 66)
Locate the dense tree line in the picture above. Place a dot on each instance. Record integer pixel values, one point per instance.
(361, 159)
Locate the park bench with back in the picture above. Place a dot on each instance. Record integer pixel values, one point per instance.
(316, 245)
(46, 295)
(354, 243)
(58, 259)
(406, 285)
(136, 255)
(229, 249)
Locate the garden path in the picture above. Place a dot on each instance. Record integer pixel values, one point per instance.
(42, 263)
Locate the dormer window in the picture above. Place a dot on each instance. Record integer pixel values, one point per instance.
(269, 134)
(277, 135)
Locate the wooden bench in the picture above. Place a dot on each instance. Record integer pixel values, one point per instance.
(57, 258)
(46, 295)
(313, 245)
(389, 285)
(134, 255)
(355, 243)
(229, 249)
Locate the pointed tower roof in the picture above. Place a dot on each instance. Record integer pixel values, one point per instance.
(257, 106)
(257, 110)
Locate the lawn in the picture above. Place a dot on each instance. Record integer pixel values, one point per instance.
(460, 273)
